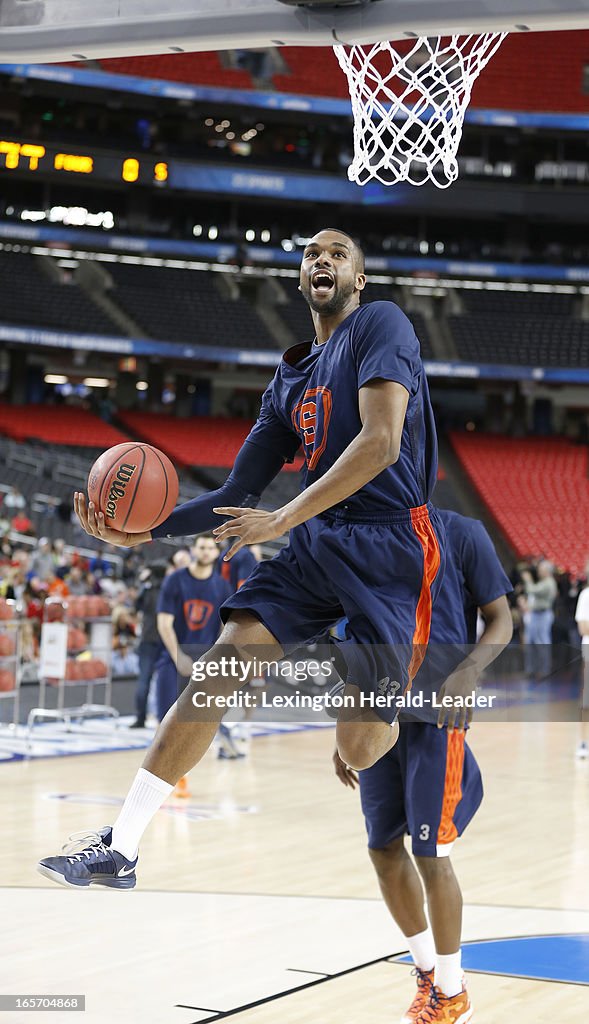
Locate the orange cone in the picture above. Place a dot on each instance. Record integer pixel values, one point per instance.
(181, 788)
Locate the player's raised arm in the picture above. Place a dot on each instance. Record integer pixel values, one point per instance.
(261, 457)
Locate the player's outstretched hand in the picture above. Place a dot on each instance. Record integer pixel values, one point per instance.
(250, 526)
(93, 523)
(347, 776)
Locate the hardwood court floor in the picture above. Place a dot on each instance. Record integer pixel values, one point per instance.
(258, 892)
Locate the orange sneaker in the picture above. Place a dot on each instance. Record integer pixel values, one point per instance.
(441, 1009)
(181, 788)
(425, 984)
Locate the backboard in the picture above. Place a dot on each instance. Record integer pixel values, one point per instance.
(59, 30)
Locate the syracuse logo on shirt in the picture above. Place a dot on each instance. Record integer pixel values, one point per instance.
(197, 613)
(310, 419)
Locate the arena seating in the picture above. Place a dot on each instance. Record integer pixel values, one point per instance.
(203, 68)
(29, 297)
(186, 306)
(198, 441)
(530, 329)
(296, 314)
(58, 424)
(537, 490)
(509, 82)
(48, 474)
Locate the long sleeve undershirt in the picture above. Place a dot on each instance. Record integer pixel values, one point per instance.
(254, 469)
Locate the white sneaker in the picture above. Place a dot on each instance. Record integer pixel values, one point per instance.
(582, 751)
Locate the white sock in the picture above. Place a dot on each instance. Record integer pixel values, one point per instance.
(145, 797)
(448, 973)
(422, 949)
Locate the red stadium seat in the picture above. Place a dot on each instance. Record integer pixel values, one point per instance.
(198, 441)
(537, 490)
(58, 425)
(510, 82)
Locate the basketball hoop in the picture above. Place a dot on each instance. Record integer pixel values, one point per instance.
(409, 106)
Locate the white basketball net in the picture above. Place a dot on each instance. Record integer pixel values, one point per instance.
(409, 107)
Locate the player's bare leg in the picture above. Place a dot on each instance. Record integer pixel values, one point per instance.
(401, 889)
(435, 952)
(186, 733)
(362, 737)
(108, 857)
(444, 901)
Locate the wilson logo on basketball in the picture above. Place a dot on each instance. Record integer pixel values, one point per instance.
(118, 488)
(310, 418)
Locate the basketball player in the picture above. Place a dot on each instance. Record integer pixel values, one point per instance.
(364, 541)
(236, 572)
(188, 613)
(429, 785)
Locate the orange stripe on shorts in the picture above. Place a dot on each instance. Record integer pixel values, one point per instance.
(447, 832)
(426, 535)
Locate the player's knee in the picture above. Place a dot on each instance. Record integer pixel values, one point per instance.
(386, 859)
(432, 869)
(362, 744)
(356, 750)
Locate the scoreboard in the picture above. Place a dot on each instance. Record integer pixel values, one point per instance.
(29, 158)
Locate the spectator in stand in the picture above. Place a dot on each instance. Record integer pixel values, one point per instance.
(112, 588)
(124, 661)
(14, 501)
(5, 551)
(34, 595)
(582, 619)
(13, 583)
(4, 524)
(100, 566)
(133, 564)
(60, 558)
(541, 596)
(56, 587)
(150, 646)
(43, 561)
(21, 523)
(76, 582)
(21, 559)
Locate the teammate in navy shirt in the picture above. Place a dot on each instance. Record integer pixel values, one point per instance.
(365, 543)
(429, 785)
(188, 616)
(237, 570)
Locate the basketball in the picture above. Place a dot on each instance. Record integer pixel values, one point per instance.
(134, 485)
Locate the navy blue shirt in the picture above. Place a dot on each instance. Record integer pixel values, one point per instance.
(195, 605)
(236, 571)
(473, 577)
(313, 400)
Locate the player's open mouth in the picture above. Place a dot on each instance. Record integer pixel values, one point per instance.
(322, 281)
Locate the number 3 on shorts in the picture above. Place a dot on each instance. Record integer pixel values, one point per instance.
(424, 832)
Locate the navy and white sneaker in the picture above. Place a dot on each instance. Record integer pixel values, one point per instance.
(228, 749)
(89, 860)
